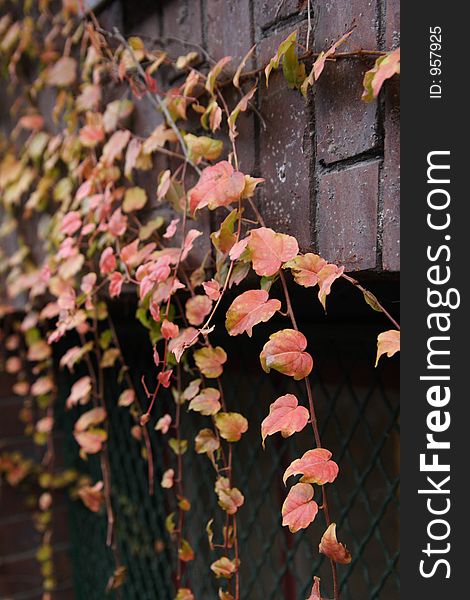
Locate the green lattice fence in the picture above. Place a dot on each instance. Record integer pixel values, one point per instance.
(358, 409)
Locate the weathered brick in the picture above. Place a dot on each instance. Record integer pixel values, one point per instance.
(392, 24)
(345, 125)
(267, 12)
(285, 152)
(182, 20)
(347, 216)
(228, 29)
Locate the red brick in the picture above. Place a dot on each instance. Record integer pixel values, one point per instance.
(182, 19)
(285, 152)
(267, 12)
(345, 125)
(347, 216)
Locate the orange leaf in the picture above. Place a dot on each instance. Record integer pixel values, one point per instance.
(249, 309)
(210, 360)
(315, 467)
(95, 416)
(388, 343)
(218, 185)
(63, 72)
(305, 268)
(167, 479)
(206, 442)
(299, 508)
(207, 402)
(231, 425)
(92, 496)
(284, 352)
(286, 416)
(270, 249)
(330, 546)
(224, 567)
(326, 277)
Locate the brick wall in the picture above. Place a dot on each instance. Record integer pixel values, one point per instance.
(331, 164)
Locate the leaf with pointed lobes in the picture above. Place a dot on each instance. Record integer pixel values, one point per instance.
(169, 330)
(305, 268)
(269, 250)
(315, 593)
(315, 466)
(299, 508)
(230, 499)
(224, 567)
(329, 546)
(197, 309)
(388, 342)
(326, 277)
(240, 107)
(164, 378)
(185, 339)
(249, 309)
(212, 289)
(163, 423)
(207, 402)
(286, 416)
(219, 185)
(385, 67)
(284, 352)
(206, 442)
(210, 360)
(92, 496)
(231, 425)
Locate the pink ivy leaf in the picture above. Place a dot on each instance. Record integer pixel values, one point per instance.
(299, 508)
(92, 417)
(80, 392)
(207, 402)
(169, 330)
(315, 466)
(269, 250)
(107, 261)
(305, 268)
(326, 277)
(315, 593)
(388, 342)
(126, 398)
(156, 357)
(171, 229)
(90, 442)
(219, 185)
(212, 289)
(284, 352)
(117, 223)
(230, 499)
(115, 284)
(286, 416)
(163, 424)
(238, 248)
(71, 223)
(167, 479)
(336, 551)
(249, 309)
(191, 236)
(164, 378)
(197, 309)
(114, 147)
(184, 340)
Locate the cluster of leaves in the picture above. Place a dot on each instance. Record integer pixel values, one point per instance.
(73, 172)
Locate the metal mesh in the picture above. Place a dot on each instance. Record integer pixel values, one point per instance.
(357, 407)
